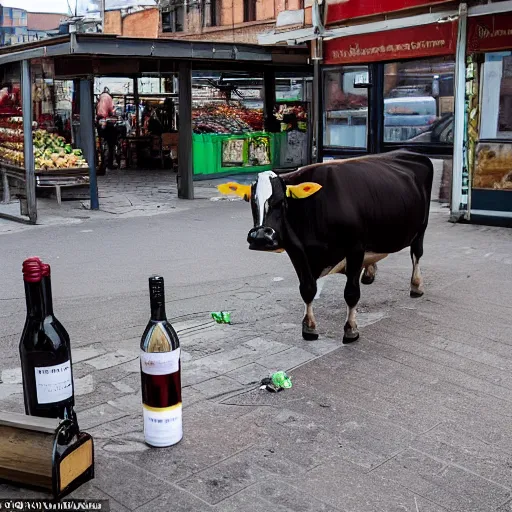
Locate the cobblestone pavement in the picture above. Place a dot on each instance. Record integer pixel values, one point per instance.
(415, 417)
(122, 194)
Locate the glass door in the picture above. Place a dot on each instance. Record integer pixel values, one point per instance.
(346, 107)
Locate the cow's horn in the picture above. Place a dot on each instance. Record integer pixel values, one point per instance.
(303, 190)
(235, 188)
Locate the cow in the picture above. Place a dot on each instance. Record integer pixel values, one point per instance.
(342, 216)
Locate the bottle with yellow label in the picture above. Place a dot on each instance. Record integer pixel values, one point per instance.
(160, 374)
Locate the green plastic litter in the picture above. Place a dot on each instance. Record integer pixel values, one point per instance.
(222, 317)
(281, 380)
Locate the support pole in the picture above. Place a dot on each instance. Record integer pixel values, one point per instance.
(457, 205)
(185, 162)
(87, 138)
(269, 99)
(30, 177)
(318, 134)
(137, 104)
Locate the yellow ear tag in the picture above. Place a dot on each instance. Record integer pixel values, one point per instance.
(303, 190)
(232, 187)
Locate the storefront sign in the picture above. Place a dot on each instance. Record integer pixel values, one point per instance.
(489, 33)
(341, 10)
(405, 43)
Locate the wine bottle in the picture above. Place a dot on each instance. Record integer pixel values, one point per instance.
(44, 351)
(160, 374)
(52, 326)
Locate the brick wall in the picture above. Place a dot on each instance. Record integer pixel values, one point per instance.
(113, 22)
(144, 23)
(247, 33)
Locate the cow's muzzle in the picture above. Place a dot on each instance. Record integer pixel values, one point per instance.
(263, 239)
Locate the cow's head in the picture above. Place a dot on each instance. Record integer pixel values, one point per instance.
(269, 197)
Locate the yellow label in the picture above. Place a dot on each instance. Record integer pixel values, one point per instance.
(162, 409)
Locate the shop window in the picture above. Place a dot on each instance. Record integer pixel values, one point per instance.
(173, 19)
(249, 10)
(419, 101)
(496, 117)
(494, 152)
(346, 107)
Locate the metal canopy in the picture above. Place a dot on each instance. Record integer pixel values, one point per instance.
(119, 47)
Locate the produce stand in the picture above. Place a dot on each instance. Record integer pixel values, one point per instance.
(229, 139)
(57, 164)
(223, 154)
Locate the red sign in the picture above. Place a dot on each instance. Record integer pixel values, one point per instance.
(403, 43)
(341, 10)
(488, 33)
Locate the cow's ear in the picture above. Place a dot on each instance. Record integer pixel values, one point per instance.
(243, 191)
(303, 190)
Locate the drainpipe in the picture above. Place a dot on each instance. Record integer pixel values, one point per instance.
(459, 199)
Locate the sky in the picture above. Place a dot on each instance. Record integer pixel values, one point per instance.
(60, 6)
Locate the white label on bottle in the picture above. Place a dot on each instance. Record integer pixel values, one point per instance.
(53, 383)
(160, 363)
(162, 427)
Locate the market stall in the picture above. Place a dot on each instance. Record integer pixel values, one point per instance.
(229, 138)
(74, 61)
(230, 135)
(56, 160)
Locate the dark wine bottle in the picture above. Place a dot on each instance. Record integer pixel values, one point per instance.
(44, 350)
(160, 373)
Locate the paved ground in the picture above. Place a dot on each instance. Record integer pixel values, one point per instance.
(416, 416)
(131, 193)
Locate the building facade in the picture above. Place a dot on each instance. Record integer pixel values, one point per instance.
(208, 20)
(428, 75)
(19, 26)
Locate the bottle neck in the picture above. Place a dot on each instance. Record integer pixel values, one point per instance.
(34, 299)
(157, 299)
(158, 311)
(47, 296)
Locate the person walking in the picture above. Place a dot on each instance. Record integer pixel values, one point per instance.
(106, 129)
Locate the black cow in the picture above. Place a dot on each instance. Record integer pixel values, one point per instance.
(342, 216)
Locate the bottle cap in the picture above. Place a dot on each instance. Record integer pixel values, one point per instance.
(45, 270)
(32, 271)
(156, 288)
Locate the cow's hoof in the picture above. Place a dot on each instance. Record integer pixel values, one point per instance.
(415, 294)
(350, 339)
(309, 333)
(366, 279)
(351, 334)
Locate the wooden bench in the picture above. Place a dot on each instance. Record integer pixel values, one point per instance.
(64, 178)
(10, 171)
(44, 179)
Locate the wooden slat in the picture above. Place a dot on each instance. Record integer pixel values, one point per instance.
(35, 423)
(29, 452)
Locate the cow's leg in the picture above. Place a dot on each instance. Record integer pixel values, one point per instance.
(416, 279)
(369, 274)
(352, 295)
(308, 291)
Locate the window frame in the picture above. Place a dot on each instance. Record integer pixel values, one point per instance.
(250, 11)
(376, 143)
(172, 11)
